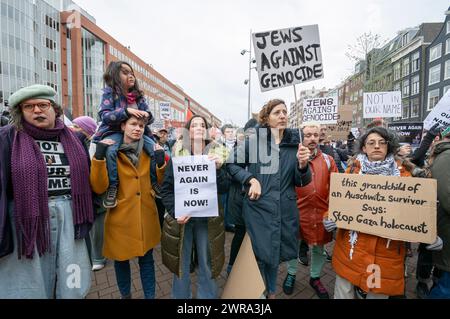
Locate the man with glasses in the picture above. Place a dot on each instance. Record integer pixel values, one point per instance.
(46, 206)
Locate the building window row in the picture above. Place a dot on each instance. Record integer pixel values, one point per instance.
(49, 43)
(49, 65)
(435, 52)
(15, 70)
(52, 23)
(12, 13)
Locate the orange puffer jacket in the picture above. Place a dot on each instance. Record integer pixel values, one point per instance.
(369, 250)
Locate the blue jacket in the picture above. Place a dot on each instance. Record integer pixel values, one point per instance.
(113, 111)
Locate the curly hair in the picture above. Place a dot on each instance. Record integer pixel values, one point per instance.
(17, 115)
(389, 136)
(263, 117)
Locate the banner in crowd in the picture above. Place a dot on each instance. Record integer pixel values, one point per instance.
(341, 130)
(245, 280)
(157, 125)
(288, 56)
(382, 104)
(410, 133)
(440, 113)
(323, 110)
(164, 110)
(401, 208)
(195, 186)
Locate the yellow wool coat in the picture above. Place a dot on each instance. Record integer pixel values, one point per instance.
(132, 227)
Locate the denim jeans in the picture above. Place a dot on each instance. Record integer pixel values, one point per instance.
(147, 271)
(269, 275)
(442, 289)
(96, 236)
(196, 230)
(62, 273)
(112, 153)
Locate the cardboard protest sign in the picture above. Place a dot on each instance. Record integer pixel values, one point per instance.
(410, 133)
(245, 280)
(382, 104)
(164, 110)
(401, 208)
(195, 186)
(288, 56)
(341, 130)
(322, 110)
(440, 113)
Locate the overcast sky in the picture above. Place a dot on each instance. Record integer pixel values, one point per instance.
(196, 44)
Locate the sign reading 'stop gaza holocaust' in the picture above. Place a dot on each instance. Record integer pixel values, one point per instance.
(288, 56)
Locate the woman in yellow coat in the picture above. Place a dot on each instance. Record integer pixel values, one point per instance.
(132, 227)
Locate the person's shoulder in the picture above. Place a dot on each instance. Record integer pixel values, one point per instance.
(7, 130)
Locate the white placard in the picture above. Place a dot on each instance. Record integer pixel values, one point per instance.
(440, 113)
(382, 104)
(164, 110)
(195, 186)
(322, 110)
(288, 56)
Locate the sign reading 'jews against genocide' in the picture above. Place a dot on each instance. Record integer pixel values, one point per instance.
(195, 186)
(164, 110)
(288, 56)
(322, 110)
(400, 208)
(382, 104)
(341, 130)
(439, 114)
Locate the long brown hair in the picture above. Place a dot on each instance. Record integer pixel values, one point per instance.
(112, 79)
(263, 117)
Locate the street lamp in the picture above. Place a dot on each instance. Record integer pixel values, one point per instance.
(249, 80)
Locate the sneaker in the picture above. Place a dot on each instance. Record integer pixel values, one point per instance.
(110, 200)
(303, 259)
(288, 284)
(97, 267)
(422, 290)
(318, 287)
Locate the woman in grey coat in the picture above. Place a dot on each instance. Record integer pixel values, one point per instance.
(270, 164)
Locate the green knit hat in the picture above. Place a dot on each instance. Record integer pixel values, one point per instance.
(36, 91)
(446, 132)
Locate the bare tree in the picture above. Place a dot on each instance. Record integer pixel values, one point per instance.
(364, 44)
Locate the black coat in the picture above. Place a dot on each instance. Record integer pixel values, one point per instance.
(272, 222)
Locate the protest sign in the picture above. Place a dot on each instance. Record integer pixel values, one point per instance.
(401, 208)
(322, 110)
(195, 186)
(440, 113)
(288, 56)
(382, 104)
(341, 130)
(164, 110)
(410, 133)
(245, 280)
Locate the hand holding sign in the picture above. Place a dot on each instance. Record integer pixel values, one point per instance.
(183, 220)
(303, 155)
(216, 159)
(255, 189)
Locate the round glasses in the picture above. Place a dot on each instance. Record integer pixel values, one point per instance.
(29, 107)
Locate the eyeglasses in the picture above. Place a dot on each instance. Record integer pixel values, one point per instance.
(30, 107)
(380, 143)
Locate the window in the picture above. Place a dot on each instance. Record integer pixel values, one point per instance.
(446, 89)
(435, 52)
(405, 66)
(448, 27)
(406, 88)
(405, 39)
(405, 110)
(447, 70)
(415, 62)
(447, 46)
(433, 99)
(435, 74)
(397, 71)
(415, 87)
(396, 87)
(415, 108)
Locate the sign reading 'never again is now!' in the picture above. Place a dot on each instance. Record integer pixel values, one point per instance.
(288, 56)
(401, 208)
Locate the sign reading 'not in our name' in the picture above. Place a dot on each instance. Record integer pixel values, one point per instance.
(382, 104)
(195, 186)
(288, 56)
(400, 208)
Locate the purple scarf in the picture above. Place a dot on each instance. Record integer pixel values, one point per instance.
(29, 179)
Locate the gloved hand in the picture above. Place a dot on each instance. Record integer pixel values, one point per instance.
(350, 136)
(435, 130)
(100, 151)
(437, 245)
(159, 157)
(329, 225)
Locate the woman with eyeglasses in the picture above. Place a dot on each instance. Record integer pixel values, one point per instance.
(46, 206)
(355, 251)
